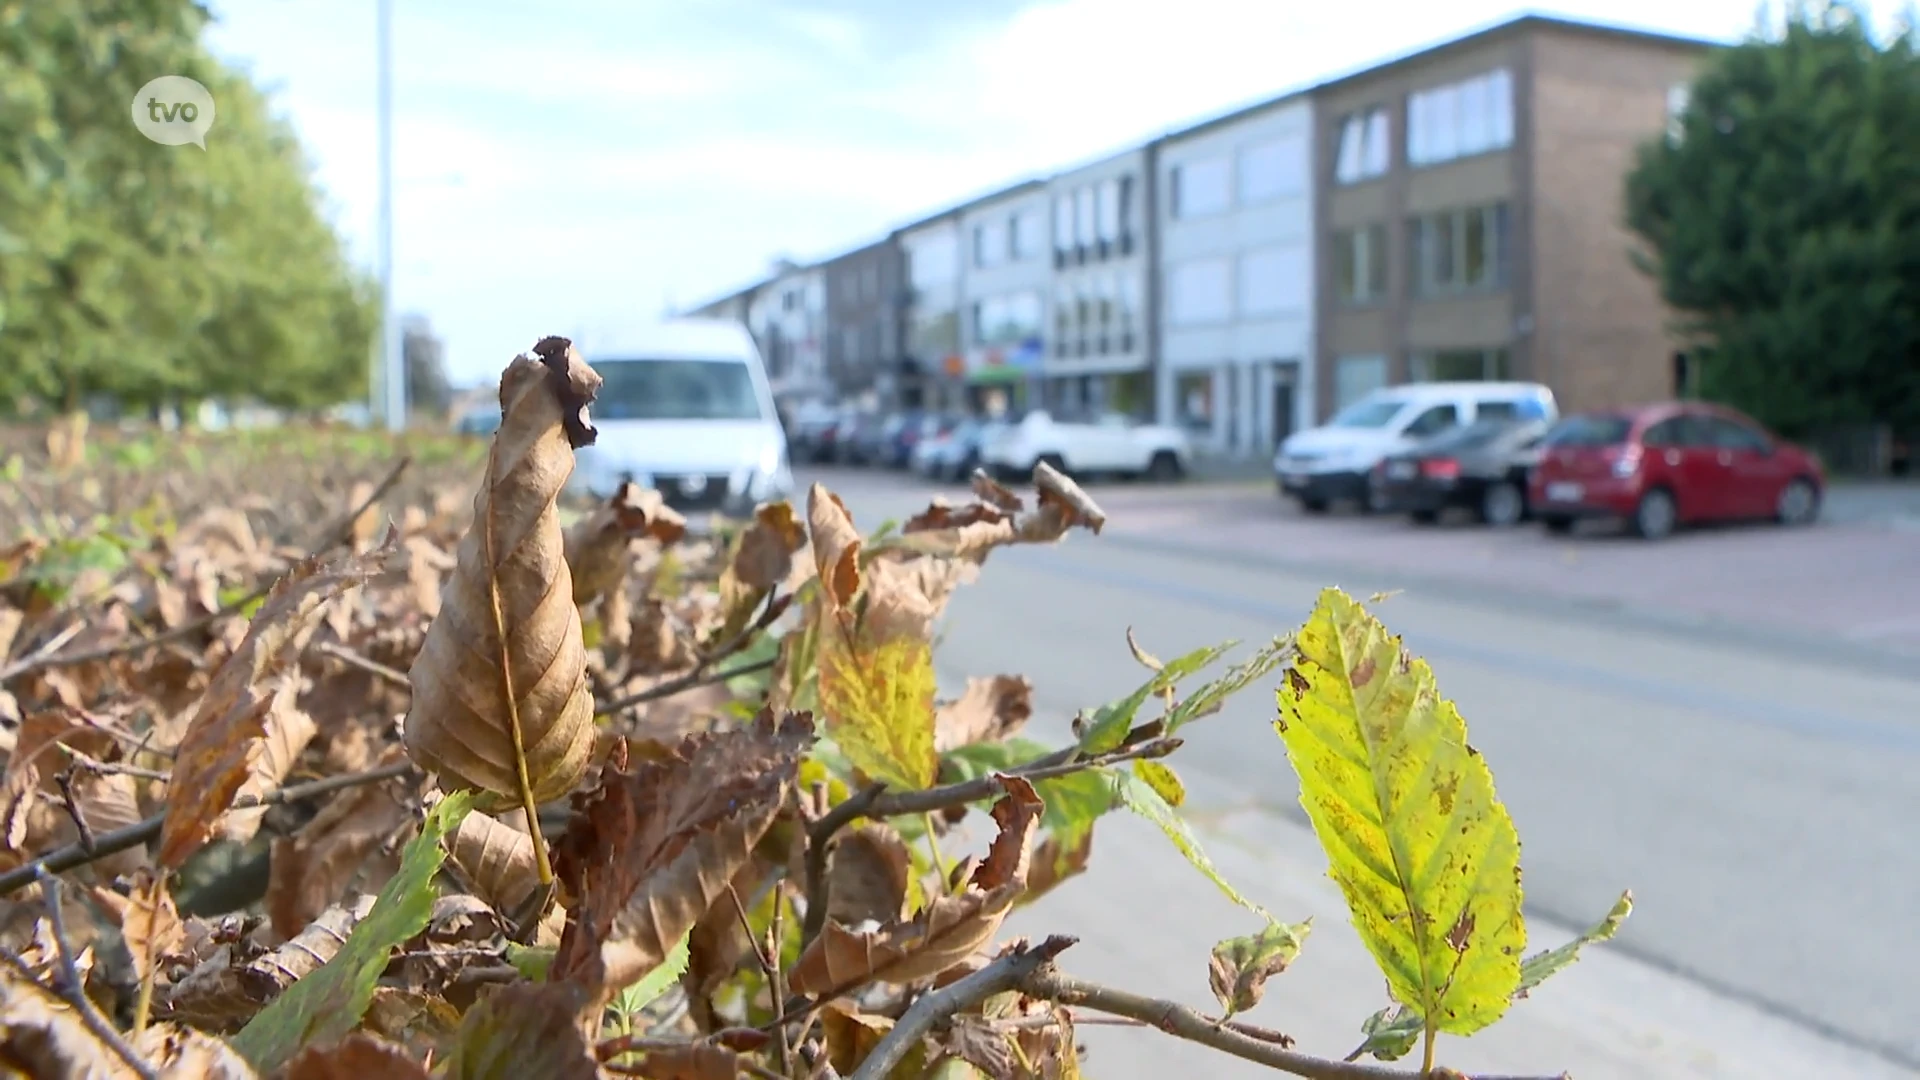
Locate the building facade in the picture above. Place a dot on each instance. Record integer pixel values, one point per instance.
(1235, 256)
(787, 316)
(864, 346)
(1004, 279)
(1468, 215)
(930, 253)
(1101, 340)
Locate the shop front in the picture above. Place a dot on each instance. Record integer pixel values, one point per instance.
(1003, 379)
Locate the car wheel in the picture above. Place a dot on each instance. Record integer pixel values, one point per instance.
(1425, 517)
(1799, 503)
(1558, 526)
(1164, 468)
(1502, 505)
(1314, 506)
(1655, 516)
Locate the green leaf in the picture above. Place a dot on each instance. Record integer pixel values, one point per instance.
(1137, 796)
(329, 1001)
(1111, 722)
(650, 986)
(1240, 967)
(531, 961)
(1074, 801)
(1391, 1033)
(1207, 700)
(1541, 966)
(1417, 841)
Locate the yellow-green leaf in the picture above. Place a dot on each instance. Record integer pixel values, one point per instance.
(1541, 966)
(650, 986)
(1207, 700)
(879, 708)
(1138, 797)
(1240, 967)
(1390, 1033)
(1163, 780)
(329, 1001)
(1417, 841)
(1110, 723)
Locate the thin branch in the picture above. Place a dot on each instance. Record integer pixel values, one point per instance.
(64, 778)
(770, 967)
(73, 989)
(876, 802)
(1050, 984)
(703, 672)
(332, 538)
(1006, 973)
(66, 858)
(373, 667)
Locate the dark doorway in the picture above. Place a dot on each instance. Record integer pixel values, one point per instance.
(1282, 406)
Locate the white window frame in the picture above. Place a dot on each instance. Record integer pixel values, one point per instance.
(1460, 119)
(1363, 151)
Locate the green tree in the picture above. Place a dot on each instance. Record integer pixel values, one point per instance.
(151, 272)
(1782, 221)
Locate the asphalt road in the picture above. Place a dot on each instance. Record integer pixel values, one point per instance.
(1760, 802)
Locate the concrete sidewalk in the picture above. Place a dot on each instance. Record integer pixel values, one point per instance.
(1146, 921)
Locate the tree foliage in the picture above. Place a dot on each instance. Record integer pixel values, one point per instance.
(524, 785)
(1783, 223)
(150, 272)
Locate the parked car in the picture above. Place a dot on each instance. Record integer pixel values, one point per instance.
(810, 435)
(856, 440)
(1481, 467)
(1333, 462)
(1661, 467)
(1110, 443)
(685, 407)
(902, 433)
(951, 453)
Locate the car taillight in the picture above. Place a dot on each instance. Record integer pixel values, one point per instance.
(1440, 469)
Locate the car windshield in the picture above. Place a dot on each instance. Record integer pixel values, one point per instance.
(1599, 429)
(1367, 414)
(675, 390)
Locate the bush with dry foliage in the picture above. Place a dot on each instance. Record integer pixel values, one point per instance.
(460, 779)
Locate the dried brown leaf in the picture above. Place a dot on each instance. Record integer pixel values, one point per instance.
(240, 732)
(695, 1061)
(649, 853)
(221, 994)
(357, 1057)
(496, 860)
(867, 876)
(522, 1031)
(949, 930)
(151, 924)
(836, 547)
(183, 1052)
(598, 545)
(989, 710)
(43, 1037)
(767, 547)
(319, 863)
(501, 701)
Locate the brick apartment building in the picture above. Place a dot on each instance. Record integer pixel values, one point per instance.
(1468, 214)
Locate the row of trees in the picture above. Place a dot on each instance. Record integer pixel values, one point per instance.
(1783, 223)
(158, 273)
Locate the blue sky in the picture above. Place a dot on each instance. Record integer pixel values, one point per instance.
(566, 166)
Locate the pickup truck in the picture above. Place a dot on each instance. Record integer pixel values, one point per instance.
(1103, 443)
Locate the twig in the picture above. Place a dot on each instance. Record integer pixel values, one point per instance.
(876, 802)
(66, 858)
(373, 667)
(770, 967)
(679, 683)
(73, 989)
(331, 539)
(84, 760)
(1001, 975)
(65, 779)
(1050, 984)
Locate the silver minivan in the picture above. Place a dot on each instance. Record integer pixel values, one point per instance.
(685, 407)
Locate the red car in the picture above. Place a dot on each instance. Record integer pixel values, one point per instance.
(1664, 466)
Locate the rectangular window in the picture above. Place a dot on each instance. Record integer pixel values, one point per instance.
(1461, 365)
(1108, 200)
(1272, 169)
(1025, 239)
(1273, 280)
(1200, 292)
(989, 243)
(933, 261)
(1085, 217)
(1360, 264)
(1354, 377)
(1460, 119)
(1126, 209)
(1202, 187)
(1679, 95)
(1063, 222)
(1458, 251)
(1363, 150)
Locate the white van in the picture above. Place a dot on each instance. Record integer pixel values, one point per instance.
(685, 407)
(1333, 461)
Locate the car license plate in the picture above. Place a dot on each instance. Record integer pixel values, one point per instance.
(1402, 470)
(1564, 492)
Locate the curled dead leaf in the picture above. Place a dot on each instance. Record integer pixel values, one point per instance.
(764, 557)
(989, 710)
(524, 1030)
(949, 930)
(649, 852)
(836, 547)
(222, 993)
(496, 860)
(44, 1037)
(501, 701)
(357, 1057)
(868, 876)
(597, 547)
(246, 727)
(178, 1051)
(150, 924)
